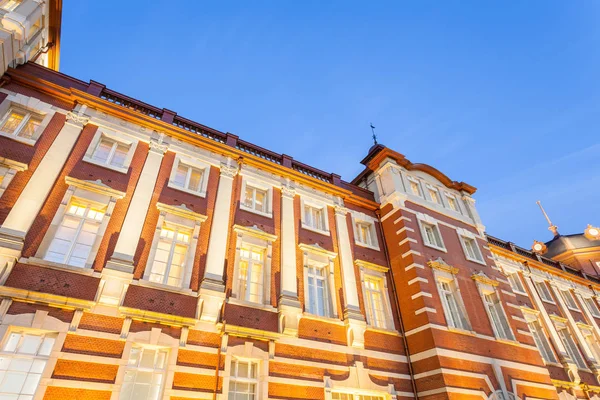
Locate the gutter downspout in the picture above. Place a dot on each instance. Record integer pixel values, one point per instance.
(402, 330)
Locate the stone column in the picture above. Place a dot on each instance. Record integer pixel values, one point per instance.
(31, 200)
(212, 288)
(122, 257)
(355, 321)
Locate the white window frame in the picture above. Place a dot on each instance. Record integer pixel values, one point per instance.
(592, 306)
(566, 336)
(514, 279)
(155, 371)
(416, 181)
(449, 196)
(255, 238)
(497, 308)
(426, 219)
(30, 106)
(465, 236)
(10, 5)
(545, 295)
(460, 321)
(309, 202)
(233, 378)
(36, 358)
(363, 219)
(256, 185)
(540, 338)
(569, 299)
(119, 137)
(430, 189)
(351, 394)
(190, 162)
(592, 342)
(377, 273)
(317, 256)
(181, 218)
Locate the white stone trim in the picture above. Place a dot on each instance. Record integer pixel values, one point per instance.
(118, 137)
(31, 105)
(248, 181)
(194, 163)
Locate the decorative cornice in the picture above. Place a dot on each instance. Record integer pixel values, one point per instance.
(77, 118)
(96, 186)
(288, 191)
(482, 278)
(229, 171)
(254, 231)
(181, 211)
(158, 145)
(341, 211)
(441, 265)
(371, 266)
(17, 166)
(315, 248)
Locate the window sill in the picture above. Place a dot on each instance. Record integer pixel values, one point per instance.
(244, 303)
(519, 292)
(175, 187)
(162, 286)
(314, 317)
(508, 341)
(385, 331)
(367, 246)
(122, 170)
(29, 142)
(548, 301)
(310, 228)
(552, 363)
(462, 331)
(58, 266)
(574, 309)
(264, 214)
(435, 247)
(475, 260)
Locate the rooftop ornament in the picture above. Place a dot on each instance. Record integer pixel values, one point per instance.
(592, 232)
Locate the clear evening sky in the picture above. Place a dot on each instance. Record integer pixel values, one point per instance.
(504, 95)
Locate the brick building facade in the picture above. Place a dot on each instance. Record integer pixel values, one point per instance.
(146, 256)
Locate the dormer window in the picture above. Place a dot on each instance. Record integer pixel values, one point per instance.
(434, 194)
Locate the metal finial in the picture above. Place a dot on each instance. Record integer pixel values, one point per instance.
(552, 228)
(374, 135)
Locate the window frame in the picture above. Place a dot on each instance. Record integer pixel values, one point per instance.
(190, 163)
(466, 237)
(497, 308)
(516, 279)
(257, 185)
(27, 116)
(594, 310)
(323, 207)
(452, 199)
(569, 299)
(128, 367)
(542, 293)
(571, 346)
(233, 378)
(369, 222)
(454, 291)
(312, 254)
(540, 338)
(327, 306)
(412, 180)
(433, 189)
(118, 138)
(427, 221)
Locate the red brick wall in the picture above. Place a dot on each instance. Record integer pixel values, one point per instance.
(145, 298)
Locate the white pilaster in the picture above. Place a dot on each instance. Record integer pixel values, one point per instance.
(30, 202)
(351, 306)
(219, 230)
(289, 284)
(122, 258)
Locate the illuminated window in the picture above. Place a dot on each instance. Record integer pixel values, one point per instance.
(543, 291)
(497, 316)
(144, 374)
(20, 123)
(110, 152)
(569, 299)
(251, 270)
(243, 382)
(452, 202)
(9, 5)
(415, 187)
(375, 301)
(431, 235)
(256, 199)
(472, 251)
(571, 347)
(365, 233)
(515, 282)
(541, 341)
(22, 362)
(318, 290)
(314, 217)
(188, 177)
(452, 304)
(350, 396)
(168, 266)
(434, 194)
(592, 306)
(76, 234)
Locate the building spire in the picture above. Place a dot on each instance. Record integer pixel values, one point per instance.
(374, 135)
(552, 228)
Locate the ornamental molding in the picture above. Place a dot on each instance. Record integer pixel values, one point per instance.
(96, 186)
(181, 211)
(228, 170)
(371, 266)
(341, 211)
(78, 118)
(254, 231)
(441, 265)
(316, 249)
(288, 191)
(159, 145)
(482, 278)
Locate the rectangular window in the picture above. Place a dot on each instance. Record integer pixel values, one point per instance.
(110, 152)
(349, 396)
(434, 195)
(515, 282)
(22, 363)
(144, 374)
(318, 296)
(569, 300)
(188, 177)
(243, 384)
(452, 203)
(314, 217)
(497, 316)
(374, 302)
(415, 188)
(251, 269)
(452, 309)
(471, 249)
(20, 123)
(431, 235)
(543, 291)
(168, 266)
(364, 233)
(592, 306)
(571, 347)
(592, 342)
(541, 341)
(76, 234)
(256, 199)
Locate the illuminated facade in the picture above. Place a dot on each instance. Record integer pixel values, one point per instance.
(146, 256)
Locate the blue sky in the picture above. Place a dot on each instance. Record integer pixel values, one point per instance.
(502, 95)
